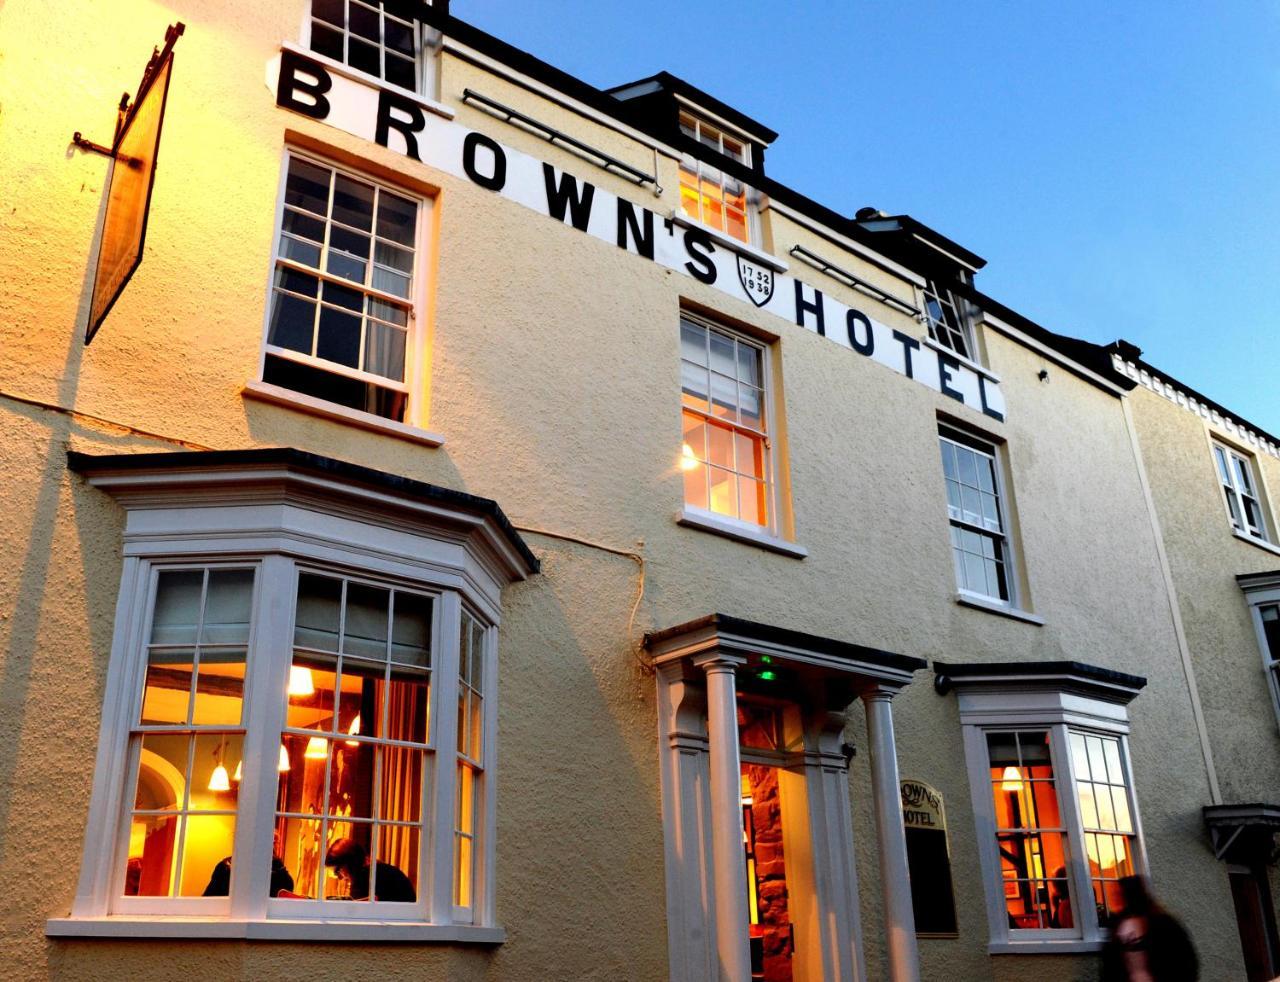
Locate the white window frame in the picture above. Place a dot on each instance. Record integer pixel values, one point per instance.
(1058, 704)
(1261, 593)
(994, 451)
(697, 166)
(706, 516)
(943, 333)
(1235, 470)
(413, 386)
(282, 531)
(426, 38)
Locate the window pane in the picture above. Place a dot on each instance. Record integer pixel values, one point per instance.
(318, 610)
(352, 202)
(167, 690)
(351, 779)
(694, 385)
(313, 680)
(153, 849)
(723, 356)
(226, 615)
(326, 41)
(408, 701)
(397, 218)
(693, 343)
(720, 446)
(751, 501)
(162, 772)
(292, 323)
(749, 455)
(384, 351)
(724, 397)
(723, 492)
(695, 485)
(396, 877)
(213, 767)
(365, 22)
(177, 608)
(207, 845)
(301, 853)
(307, 186)
(219, 687)
(411, 629)
(338, 338)
(365, 633)
(361, 697)
(400, 71)
(402, 784)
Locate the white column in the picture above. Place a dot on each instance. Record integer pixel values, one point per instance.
(895, 879)
(730, 880)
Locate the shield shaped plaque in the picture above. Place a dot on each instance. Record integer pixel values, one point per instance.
(756, 280)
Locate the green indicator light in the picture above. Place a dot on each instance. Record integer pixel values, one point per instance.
(767, 676)
(766, 660)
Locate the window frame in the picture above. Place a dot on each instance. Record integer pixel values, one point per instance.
(1261, 593)
(994, 450)
(1060, 699)
(942, 333)
(426, 37)
(694, 164)
(764, 350)
(1238, 466)
(413, 385)
(281, 510)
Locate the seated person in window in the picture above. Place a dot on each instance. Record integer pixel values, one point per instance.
(1060, 901)
(350, 862)
(281, 878)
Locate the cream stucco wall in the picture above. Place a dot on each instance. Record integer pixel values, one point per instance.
(554, 379)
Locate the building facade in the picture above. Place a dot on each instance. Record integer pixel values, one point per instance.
(501, 531)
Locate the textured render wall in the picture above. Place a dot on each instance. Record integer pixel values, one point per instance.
(1205, 559)
(554, 378)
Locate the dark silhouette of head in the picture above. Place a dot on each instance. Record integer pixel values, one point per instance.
(1136, 897)
(346, 855)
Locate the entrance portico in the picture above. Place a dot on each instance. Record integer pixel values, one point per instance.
(707, 670)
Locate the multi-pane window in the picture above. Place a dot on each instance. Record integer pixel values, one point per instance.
(342, 300)
(979, 541)
(725, 451)
(1103, 794)
(1031, 834)
(946, 320)
(353, 755)
(189, 734)
(470, 759)
(1244, 505)
(707, 193)
(1047, 850)
(368, 35)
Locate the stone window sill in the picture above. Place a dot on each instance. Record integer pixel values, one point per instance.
(729, 242)
(969, 363)
(717, 525)
(1073, 947)
(266, 392)
(995, 607)
(370, 931)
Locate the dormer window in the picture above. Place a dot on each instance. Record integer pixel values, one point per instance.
(947, 322)
(708, 194)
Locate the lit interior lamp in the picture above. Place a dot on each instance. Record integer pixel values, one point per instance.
(219, 780)
(1011, 780)
(300, 681)
(354, 730)
(688, 461)
(238, 776)
(316, 750)
(284, 760)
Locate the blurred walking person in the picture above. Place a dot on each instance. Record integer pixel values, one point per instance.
(1147, 942)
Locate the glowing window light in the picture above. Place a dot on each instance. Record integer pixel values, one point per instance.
(300, 681)
(353, 730)
(238, 776)
(219, 780)
(688, 461)
(1011, 780)
(283, 765)
(316, 749)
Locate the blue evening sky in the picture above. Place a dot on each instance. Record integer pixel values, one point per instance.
(1117, 164)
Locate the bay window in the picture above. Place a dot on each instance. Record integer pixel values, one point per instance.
(1050, 776)
(1262, 594)
(301, 684)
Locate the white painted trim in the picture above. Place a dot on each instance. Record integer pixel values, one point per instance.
(1175, 610)
(1253, 540)
(275, 394)
(1266, 593)
(719, 122)
(730, 243)
(1045, 947)
(1193, 405)
(937, 248)
(371, 931)
(968, 363)
(979, 602)
(697, 518)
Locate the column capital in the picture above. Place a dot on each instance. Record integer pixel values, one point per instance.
(718, 661)
(879, 693)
